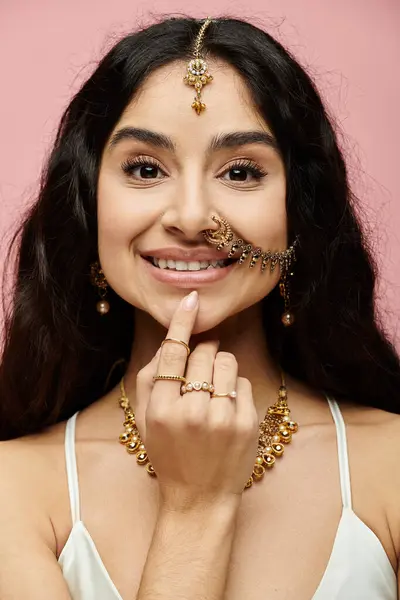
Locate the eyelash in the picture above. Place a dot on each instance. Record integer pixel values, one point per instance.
(133, 163)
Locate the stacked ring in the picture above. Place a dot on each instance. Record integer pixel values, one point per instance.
(197, 386)
(176, 341)
(231, 395)
(169, 377)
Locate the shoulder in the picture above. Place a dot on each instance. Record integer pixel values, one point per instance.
(29, 467)
(373, 437)
(27, 540)
(373, 432)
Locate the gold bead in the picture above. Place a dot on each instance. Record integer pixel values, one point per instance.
(286, 436)
(142, 458)
(132, 447)
(150, 469)
(287, 319)
(124, 437)
(269, 460)
(258, 472)
(249, 483)
(292, 426)
(103, 307)
(278, 449)
(129, 421)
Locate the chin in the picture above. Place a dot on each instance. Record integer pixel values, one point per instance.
(207, 318)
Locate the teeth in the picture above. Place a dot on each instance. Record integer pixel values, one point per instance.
(194, 266)
(180, 265)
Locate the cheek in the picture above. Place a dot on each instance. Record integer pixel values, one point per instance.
(121, 213)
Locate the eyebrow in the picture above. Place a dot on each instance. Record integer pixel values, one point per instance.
(220, 141)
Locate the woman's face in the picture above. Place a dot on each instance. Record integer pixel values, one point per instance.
(164, 176)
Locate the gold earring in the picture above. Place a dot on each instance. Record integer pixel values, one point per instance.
(221, 236)
(287, 316)
(197, 74)
(98, 279)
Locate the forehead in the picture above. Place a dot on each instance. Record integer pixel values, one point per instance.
(164, 100)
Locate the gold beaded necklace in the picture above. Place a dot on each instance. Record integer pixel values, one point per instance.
(275, 431)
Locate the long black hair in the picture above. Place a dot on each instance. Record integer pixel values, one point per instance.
(58, 351)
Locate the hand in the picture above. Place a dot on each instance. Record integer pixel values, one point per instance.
(202, 449)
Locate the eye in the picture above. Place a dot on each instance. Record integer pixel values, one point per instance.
(142, 168)
(239, 171)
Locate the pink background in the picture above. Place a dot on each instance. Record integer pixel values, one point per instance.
(351, 47)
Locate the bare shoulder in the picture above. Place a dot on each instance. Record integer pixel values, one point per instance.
(374, 447)
(27, 540)
(29, 466)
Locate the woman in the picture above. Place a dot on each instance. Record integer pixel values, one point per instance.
(157, 188)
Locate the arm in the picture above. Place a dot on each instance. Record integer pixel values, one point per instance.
(28, 566)
(189, 554)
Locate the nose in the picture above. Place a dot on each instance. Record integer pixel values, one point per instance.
(189, 214)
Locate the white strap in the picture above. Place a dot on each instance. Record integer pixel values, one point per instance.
(342, 452)
(72, 471)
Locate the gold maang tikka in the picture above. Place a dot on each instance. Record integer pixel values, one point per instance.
(197, 74)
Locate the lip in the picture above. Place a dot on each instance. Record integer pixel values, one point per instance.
(186, 254)
(187, 279)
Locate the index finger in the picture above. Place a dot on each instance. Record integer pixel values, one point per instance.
(173, 355)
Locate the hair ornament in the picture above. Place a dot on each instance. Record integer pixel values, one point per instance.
(197, 74)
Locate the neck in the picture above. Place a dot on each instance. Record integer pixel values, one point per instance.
(242, 335)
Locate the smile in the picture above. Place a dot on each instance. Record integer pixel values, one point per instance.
(194, 265)
(187, 274)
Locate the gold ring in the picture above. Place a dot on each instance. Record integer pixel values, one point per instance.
(170, 377)
(197, 386)
(231, 395)
(177, 342)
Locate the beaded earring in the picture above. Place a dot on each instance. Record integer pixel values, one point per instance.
(98, 279)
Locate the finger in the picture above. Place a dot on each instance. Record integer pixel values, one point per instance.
(144, 386)
(199, 370)
(246, 412)
(224, 379)
(144, 379)
(173, 355)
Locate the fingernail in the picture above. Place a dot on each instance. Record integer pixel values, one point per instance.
(190, 302)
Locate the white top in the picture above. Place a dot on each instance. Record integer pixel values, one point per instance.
(358, 568)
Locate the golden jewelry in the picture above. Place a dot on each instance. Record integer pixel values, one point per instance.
(197, 386)
(232, 395)
(197, 74)
(169, 377)
(275, 431)
(98, 279)
(287, 317)
(177, 342)
(223, 237)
